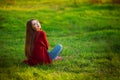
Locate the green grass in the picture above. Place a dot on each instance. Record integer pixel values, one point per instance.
(90, 35)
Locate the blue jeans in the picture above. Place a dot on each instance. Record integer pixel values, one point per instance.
(55, 52)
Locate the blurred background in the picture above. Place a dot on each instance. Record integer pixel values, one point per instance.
(89, 31)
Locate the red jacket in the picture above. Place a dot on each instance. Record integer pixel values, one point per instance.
(39, 54)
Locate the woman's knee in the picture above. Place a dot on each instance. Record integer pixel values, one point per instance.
(60, 45)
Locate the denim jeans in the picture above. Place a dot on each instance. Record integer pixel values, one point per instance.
(55, 52)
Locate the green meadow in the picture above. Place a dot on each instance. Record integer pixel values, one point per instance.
(89, 33)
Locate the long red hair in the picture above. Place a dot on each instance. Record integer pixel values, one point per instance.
(30, 36)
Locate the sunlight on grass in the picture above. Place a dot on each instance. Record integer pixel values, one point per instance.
(89, 34)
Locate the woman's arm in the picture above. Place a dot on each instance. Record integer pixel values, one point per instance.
(45, 39)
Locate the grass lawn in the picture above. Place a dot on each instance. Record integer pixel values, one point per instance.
(90, 35)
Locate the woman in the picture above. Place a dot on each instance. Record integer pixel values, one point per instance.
(36, 45)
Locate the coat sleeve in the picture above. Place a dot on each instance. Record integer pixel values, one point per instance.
(45, 39)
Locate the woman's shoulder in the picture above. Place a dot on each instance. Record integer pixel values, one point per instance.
(41, 32)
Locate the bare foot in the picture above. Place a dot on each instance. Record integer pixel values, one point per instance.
(58, 58)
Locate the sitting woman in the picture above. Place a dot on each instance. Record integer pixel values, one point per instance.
(36, 45)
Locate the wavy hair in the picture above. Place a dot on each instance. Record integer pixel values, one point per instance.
(30, 36)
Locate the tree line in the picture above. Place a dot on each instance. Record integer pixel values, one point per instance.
(105, 1)
(74, 1)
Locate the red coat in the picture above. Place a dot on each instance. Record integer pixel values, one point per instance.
(40, 50)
